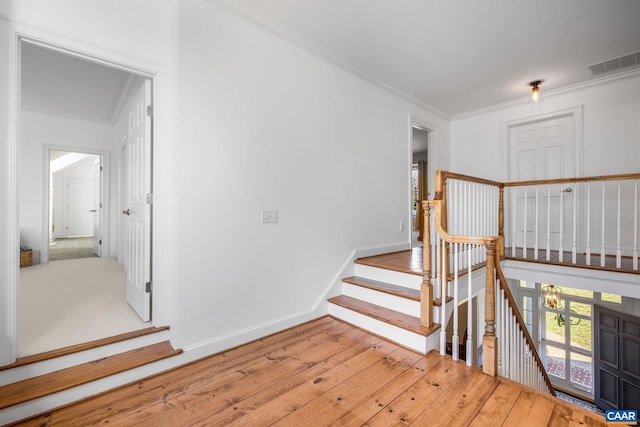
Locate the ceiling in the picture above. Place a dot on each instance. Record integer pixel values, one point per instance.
(53, 82)
(452, 56)
(460, 55)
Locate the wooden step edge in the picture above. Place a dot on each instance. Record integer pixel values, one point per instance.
(370, 263)
(82, 347)
(387, 288)
(44, 385)
(392, 317)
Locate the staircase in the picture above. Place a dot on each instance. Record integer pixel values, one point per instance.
(385, 300)
(39, 383)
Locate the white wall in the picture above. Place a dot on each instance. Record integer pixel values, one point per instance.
(610, 130)
(265, 125)
(38, 131)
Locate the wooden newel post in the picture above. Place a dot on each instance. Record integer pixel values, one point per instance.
(489, 341)
(426, 289)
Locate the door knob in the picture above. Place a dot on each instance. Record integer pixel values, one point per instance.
(567, 190)
(127, 212)
(93, 210)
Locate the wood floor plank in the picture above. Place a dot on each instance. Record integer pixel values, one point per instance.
(183, 379)
(350, 393)
(381, 400)
(531, 409)
(413, 401)
(498, 406)
(326, 372)
(565, 416)
(461, 408)
(293, 386)
(297, 398)
(247, 379)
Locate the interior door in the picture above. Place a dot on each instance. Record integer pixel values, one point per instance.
(617, 359)
(97, 207)
(79, 201)
(543, 150)
(138, 208)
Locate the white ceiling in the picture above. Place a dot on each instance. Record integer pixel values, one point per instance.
(57, 83)
(459, 55)
(453, 56)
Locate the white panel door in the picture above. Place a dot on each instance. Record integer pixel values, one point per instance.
(137, 210)
(97, 207)
(79, 201)
(543, 150)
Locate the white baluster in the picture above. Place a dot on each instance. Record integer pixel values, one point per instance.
(535, 247)
(588, 251)
(469, 344)
(602, 249)
(618, 251)
(574, 251)
(560, 249)
(455, 339)
(514, 193)
(443, 302)
(548, 222)
(635, 226)
(524, 227)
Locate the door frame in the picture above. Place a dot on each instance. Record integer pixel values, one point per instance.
(161, 301)
(104, 188)
(432, 163)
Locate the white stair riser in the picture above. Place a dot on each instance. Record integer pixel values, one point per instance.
(411, 281)
(31, 370)
(403, 305)
(401, 336)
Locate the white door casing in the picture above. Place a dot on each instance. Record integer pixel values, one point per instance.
(543, 149)
(97, 207)
(138, 210)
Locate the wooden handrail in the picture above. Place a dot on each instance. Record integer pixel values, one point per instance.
(521, 324)
(622, 177)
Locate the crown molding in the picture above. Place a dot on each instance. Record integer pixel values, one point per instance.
(600, 81)
(252, 16)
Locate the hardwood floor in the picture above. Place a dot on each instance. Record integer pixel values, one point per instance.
(324, 372)
(410, 261)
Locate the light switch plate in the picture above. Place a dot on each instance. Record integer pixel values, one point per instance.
(269, 217)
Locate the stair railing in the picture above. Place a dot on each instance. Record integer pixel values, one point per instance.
(518, 358)
(571, 216)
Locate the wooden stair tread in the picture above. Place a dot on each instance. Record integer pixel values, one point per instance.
(43, 385)
(383, 314)
(387, 288)
(84, 346)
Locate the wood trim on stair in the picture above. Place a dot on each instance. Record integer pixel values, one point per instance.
(82, 347)
(43, 385)
(383, 314)
(387, 288)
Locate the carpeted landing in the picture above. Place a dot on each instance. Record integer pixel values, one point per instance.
(73, 301)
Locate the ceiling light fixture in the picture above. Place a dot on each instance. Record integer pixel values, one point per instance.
(535, 90)
(552, 297)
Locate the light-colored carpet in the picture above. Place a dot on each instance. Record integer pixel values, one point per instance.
(71, 248)
(69, 302)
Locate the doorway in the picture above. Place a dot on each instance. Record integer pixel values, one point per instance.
(76, 111)
(420, 179)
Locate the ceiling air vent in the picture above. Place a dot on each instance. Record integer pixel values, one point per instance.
(615, 64)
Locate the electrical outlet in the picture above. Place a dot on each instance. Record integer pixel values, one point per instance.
(401, 225)
(269, 217)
